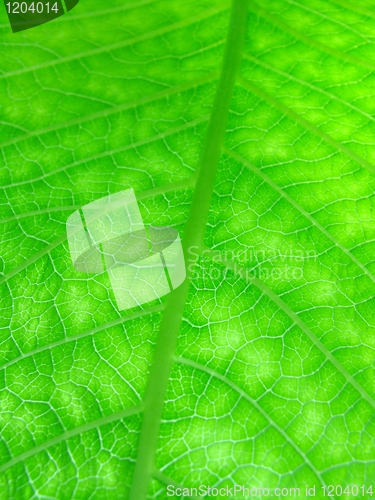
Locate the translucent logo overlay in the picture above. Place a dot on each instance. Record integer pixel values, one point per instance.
(143, 263)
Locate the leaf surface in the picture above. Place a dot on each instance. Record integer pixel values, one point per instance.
(268, 354)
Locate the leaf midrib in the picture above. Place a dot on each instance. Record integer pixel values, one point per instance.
(193, 236)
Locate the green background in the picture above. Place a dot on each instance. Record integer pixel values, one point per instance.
(273, 380)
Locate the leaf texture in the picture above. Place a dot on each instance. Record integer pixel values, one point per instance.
(259, 370)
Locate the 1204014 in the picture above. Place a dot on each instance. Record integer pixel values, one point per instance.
(32, 8)
(349, 491)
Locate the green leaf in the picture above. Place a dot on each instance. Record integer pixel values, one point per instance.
(249, 129)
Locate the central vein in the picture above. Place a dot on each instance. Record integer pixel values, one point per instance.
(193, 236)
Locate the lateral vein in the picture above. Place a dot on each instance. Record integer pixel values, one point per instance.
(240, 271)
